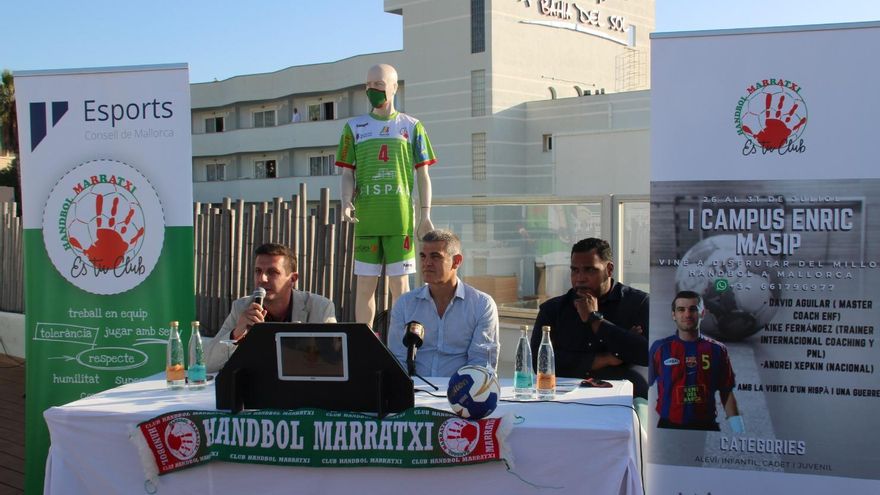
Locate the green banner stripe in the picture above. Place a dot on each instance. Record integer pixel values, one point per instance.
(78, 343)
(416, 438)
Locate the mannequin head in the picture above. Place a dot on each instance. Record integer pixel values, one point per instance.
(382, 78)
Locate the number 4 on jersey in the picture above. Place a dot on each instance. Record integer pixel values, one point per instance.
(383, 153)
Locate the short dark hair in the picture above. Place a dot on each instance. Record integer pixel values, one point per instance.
(272, 249)
(603, 249)
(686, 294)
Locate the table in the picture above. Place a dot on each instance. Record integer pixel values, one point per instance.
(573, 448)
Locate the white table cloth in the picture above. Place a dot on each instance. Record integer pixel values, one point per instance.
(571, 448)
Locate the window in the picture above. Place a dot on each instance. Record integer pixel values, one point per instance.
(520, 252)
(329, 110)
(547, 142)
(478, 26)
(481, 230)
(478, 93)
(214, 124)
(323, 165)
(264, 169)
(264, 119)
(478, 152)
(216, 171)
(479, 265)
(633, 237)
(322, 111)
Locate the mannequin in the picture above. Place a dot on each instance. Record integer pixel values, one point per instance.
(380, 154)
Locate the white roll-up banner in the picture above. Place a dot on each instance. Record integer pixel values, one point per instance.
(106, 172)
(765, 195)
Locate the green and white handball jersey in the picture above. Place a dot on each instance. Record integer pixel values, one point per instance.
(384, 154)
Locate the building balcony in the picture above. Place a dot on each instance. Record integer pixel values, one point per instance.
(264, 189)
(256, 140)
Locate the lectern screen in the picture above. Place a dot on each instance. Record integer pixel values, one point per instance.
(311, 356)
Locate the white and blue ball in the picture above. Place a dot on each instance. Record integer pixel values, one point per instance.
(736, 306)
(473, 392)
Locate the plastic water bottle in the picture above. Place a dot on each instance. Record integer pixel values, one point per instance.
(523, 379)
(196, 373)
(174, 372)
(546, 367)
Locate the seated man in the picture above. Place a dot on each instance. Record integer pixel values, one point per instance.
(275, 271)
(461, 323)
(599, 328)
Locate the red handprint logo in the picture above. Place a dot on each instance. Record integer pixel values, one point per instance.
(104, 226)
(105, 232)
(182, 437)
(777, 121)
(459, 437)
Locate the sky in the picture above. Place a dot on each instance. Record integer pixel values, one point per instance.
(223, 38)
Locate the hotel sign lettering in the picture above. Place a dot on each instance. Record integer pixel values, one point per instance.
(586, 15)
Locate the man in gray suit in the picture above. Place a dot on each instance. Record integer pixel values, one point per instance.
(274, 271)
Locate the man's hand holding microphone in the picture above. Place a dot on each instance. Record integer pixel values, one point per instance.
(255, 313)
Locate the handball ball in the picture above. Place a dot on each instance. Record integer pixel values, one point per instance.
(473, 392)
(736, 297)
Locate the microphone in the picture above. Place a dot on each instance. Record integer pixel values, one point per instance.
(413, 338)
(259, 295)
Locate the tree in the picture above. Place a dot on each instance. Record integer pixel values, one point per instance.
(9, 132)
(8, 117)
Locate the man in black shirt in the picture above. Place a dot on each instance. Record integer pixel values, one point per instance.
(599, 328)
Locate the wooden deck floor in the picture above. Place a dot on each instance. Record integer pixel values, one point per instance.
(11, 425)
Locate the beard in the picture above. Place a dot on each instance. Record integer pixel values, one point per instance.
(597, 291)
(582, 290)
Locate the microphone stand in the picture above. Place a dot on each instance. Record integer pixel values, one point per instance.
(414, 330)
(435, 387)
(411, 369)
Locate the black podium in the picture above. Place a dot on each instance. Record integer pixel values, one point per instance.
(333, 366)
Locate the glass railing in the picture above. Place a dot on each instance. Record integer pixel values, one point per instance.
(518, 249)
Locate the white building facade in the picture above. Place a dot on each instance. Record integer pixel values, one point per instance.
(538, 112)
